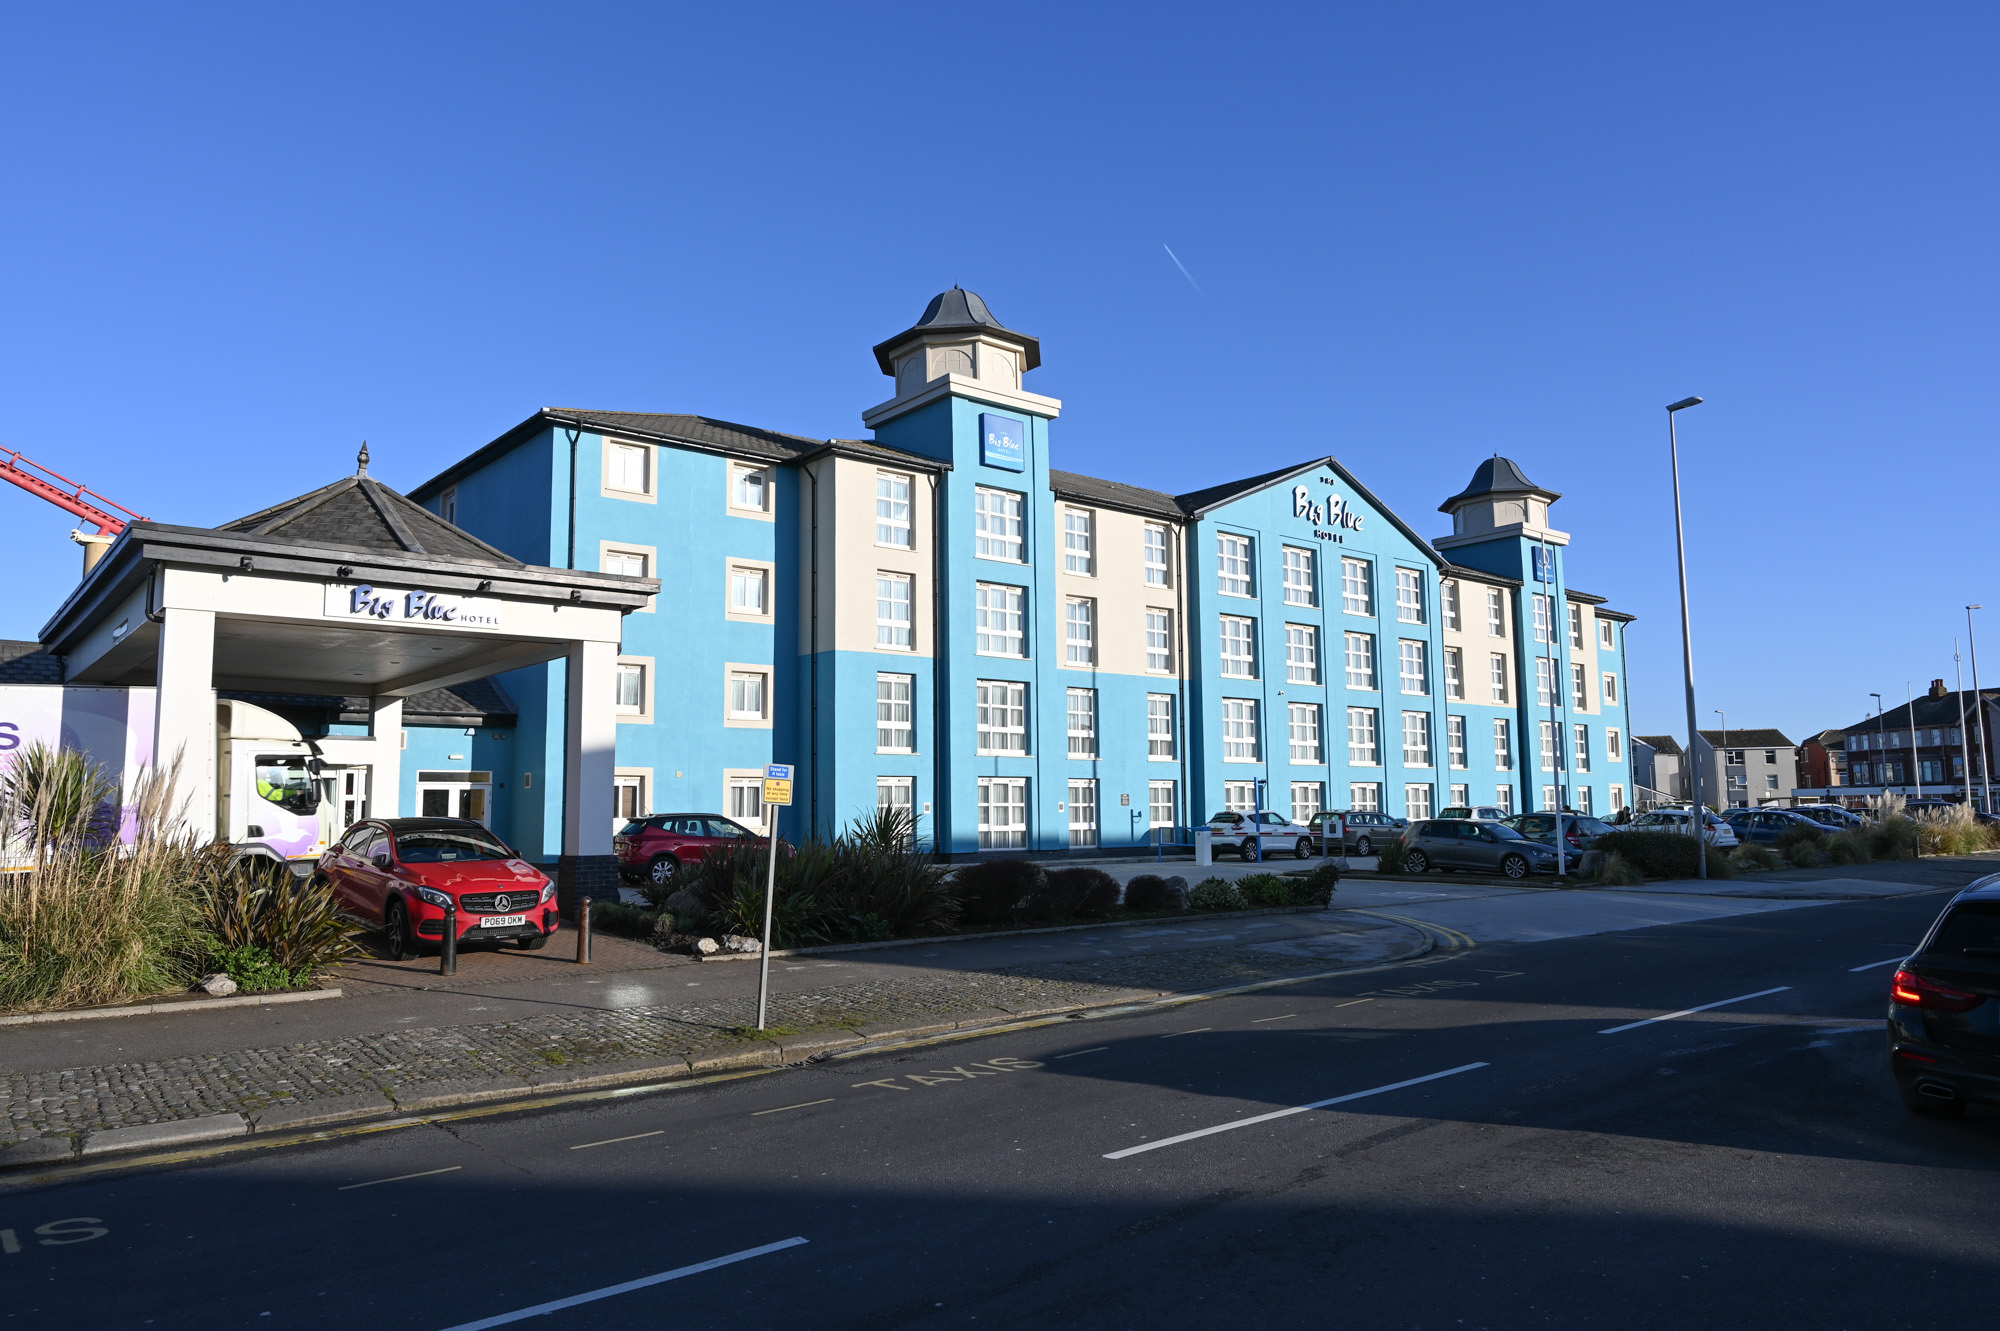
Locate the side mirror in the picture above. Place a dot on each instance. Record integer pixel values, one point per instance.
(380, 860)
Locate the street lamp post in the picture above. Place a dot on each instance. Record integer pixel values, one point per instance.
(1964, 745)
(1881, 763)
(1916, 765)
(1695, 817)
(1979, 716)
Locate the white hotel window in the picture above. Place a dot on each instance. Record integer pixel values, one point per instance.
(1544, 619)
(1305, 733)
(746, 799)
(897, 794)
(1357, 596)
(1496, 614)
(1416, 739)
(1239, 730)
(1461, 795)
(748, 589)
(1454, 673)
(997, 620)
(1579, 686)
(1550, 755)
(1409, 596)
(1239, 796)
(1361, 661)
(1299, 576)
(1611, 690)
(1503, 745)
(1614, 749)
(1160, 803)
(1582, 737)
(892, 509)
(1365, 796)
(1454, 732)
(1583, 801)
(1417, 801)
(1232, 561)
(1160, 641)
(628, 468)
(1003, 814)
(1301, 654)
(1156, 556)
(892, 612)
(1604, 640)
(1083, 723)
(1082, 813)
(746, 695)
(448, 505)
(1160, 726)
(996, 517)
(1617, 798)
(1362, 748)
(1576, 626)
(1448, 604)
(1545, 682)
(1239, 660)
(631, 690)
(1306, 800)
(749, 488)
(893, 730)
(1079, 632)
(1504, 797)
(1079, 542)
(1550, 797)
(1002, 716)
(1416, 670)
(1497, 669)
(625, 563)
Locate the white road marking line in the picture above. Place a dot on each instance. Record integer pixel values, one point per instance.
(1081, 1052)
(1196, 1031)
(807, 1104)
(399, 1178)
(1287, 1113)
(1287, 1017)
(1874, 965)
(557, 1305)
(1689, 1012)
(1352, 1002)
(613, 1141)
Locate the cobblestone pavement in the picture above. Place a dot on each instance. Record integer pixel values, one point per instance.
(404, 1067)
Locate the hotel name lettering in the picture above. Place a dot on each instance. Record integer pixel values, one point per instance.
(1332, 513)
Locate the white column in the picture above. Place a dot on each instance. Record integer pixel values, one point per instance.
(590, 756)
(385, 780)
(184, 720)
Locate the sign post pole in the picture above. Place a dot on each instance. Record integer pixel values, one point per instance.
(777, 794)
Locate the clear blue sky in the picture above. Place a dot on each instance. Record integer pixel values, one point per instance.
(238, 241)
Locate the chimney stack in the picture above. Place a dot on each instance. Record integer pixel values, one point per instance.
(1937, 688)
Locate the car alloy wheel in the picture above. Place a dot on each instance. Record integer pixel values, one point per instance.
(1303, 848)
(1417, 862)
(1364, 847)
(661, 869)
(1249, 851)
(402, 942)
(1514, 866)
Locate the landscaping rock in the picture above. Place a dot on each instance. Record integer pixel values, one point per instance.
(686, 905)
(738, 943)
(1179, 887)
(217, 986)
(706, 947)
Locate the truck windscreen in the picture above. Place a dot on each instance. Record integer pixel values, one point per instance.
(283, 780)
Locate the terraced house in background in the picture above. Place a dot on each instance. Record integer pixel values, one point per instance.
(1032, 660)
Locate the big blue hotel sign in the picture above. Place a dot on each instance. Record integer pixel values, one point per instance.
(1330, 517)
(1002, 442)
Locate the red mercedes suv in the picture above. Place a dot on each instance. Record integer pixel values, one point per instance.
(402, 873)
(651, 848)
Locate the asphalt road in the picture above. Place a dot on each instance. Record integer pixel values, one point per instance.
(1550, 1163)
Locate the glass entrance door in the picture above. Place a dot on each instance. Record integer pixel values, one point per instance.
(467, 795)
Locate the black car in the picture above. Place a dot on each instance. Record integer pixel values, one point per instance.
(1944, 1008)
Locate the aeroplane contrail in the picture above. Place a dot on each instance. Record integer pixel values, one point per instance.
(1183, 267)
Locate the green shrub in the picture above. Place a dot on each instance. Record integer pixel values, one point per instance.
(1662, 854)
(257, 972)
(1617, 871)
(1215, 894)
(1753, 858)
(1318, 887)
(1265, 889)
(1952, 831)
(1392, 856)
(1849, 846)
(623, 919)
(1077, 893)
(300, 927)
(1803, 846)
(991, 891)
(1149, 891)
(1892, 838)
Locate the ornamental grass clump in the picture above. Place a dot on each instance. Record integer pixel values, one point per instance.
(1952, 830)
(1753, 858)
(1617, 871)
(1803, 847)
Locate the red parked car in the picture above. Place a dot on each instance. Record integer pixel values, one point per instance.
(651, 848)
(401, 873)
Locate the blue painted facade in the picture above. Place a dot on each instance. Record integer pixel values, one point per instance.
(825, 645)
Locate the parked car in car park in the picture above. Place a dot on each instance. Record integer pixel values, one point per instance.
(404, 873)
(651, 848)
(1765, 826)
(1480, 813)
(1832, 817)
(1944, 1008)
(1716, 832)
(1268, 833)
(1580, 831)
(1366, 831)
(1460, 843)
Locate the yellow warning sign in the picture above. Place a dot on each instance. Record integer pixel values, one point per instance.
(777, 792)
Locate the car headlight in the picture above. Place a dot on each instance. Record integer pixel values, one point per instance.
(436, 898)
(548, 893)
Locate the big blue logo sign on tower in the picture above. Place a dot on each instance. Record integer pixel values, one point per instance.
(1001, 442)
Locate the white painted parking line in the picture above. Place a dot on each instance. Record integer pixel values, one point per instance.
(613, 1141)
(557, 1305)
(1352, 1001)
(1261, 1020)
(399, 1178)
(1196, 1031)
(1287, 1113)
(806, 1104)
(1690, 1011)
(1875, 965)
(1081, 1052)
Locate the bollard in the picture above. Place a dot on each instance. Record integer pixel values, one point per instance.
(448, 954)
(583, 931)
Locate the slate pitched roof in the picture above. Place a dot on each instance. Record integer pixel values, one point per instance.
(1661, 744)
(1940, 711)
(1115, 494)
(1496, 475)
(1195, 501)
(27, 663)
(1733, 738)
(360, 513)
(952, 310)
(746, 440)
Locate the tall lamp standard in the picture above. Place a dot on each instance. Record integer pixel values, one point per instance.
(1964, 742)
(1723, 766)
(1881, 764)
(1979, 716)
(1696, 818)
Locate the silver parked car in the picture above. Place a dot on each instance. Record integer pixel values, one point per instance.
(1719, 834)
(1269, 833)
(1461, 843)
